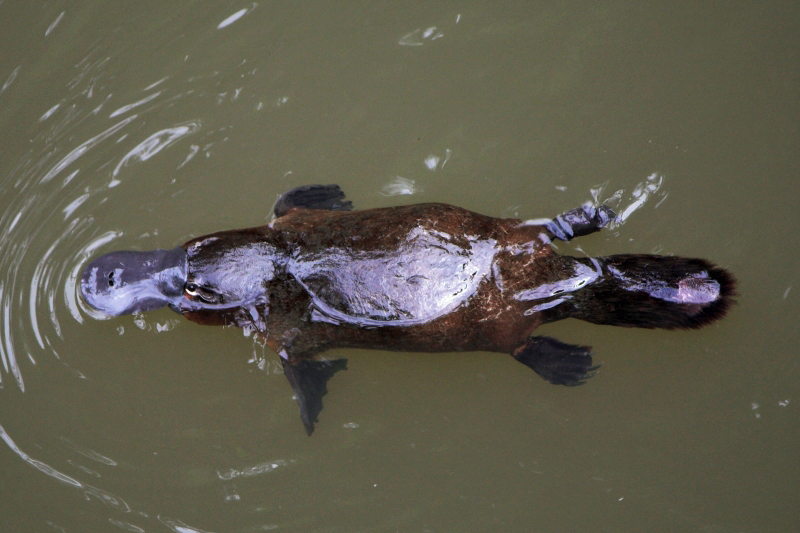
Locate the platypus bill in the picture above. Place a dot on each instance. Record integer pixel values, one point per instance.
(426, 277)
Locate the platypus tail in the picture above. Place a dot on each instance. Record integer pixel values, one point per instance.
(649, 291)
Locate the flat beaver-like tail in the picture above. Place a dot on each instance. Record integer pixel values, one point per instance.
(652, 291)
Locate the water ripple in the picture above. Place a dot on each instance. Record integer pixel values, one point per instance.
(179, 527)
(124, 109)
(104, 496)
(152, 145)
(10, 79)
(236, 16)
(262, 468)
(47, 225)
(85, 147)
(86, 452)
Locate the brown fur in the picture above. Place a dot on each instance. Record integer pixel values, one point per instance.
(492, 320)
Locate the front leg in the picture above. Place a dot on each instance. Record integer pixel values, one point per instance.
(308, 378)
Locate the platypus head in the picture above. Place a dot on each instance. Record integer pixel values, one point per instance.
(213, 274)
(121, 283)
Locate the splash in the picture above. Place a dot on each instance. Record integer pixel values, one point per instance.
(398, 186)
(642, 193)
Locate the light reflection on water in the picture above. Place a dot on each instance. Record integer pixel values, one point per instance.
(37, 204)
(103, 109)
(104, 496)
(49, 230)
(39, 199)
(109, 499)
(51, 192)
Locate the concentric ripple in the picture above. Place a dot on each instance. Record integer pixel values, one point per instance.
(47, 226)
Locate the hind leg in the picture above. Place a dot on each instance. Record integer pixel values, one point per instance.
(557, 362)
(580, 221)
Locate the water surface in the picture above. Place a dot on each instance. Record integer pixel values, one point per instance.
(139, 127)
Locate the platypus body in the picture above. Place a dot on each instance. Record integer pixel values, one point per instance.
(426, 277)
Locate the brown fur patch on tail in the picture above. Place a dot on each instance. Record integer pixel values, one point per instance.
(652, 291)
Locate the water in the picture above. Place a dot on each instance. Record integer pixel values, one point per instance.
(137, 128)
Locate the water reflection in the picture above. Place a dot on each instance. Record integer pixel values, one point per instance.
(104, 496)
(86, 452)
(419, 36)
(261, 468)
(47, 230)
(153, 145)
(399, 185)
(432, 161)
(179, 527)
(112, 500)
(82, 146)
(10, 79)
(53, 24)
(236, 16)
(127, 526)
(124, 109)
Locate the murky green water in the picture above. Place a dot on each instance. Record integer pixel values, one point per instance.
(139, 126)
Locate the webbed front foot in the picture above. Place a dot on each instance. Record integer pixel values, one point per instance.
(557, 362)
(309, 380)
(328, 197)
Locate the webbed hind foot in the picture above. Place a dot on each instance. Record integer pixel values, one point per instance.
(557, 362)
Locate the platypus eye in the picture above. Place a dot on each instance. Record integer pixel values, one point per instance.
(195, 291)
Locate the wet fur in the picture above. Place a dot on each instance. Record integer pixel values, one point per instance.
(492, 320)
(607, 302)
(273, 279)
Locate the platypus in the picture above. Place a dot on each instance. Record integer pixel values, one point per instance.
(427, 278)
